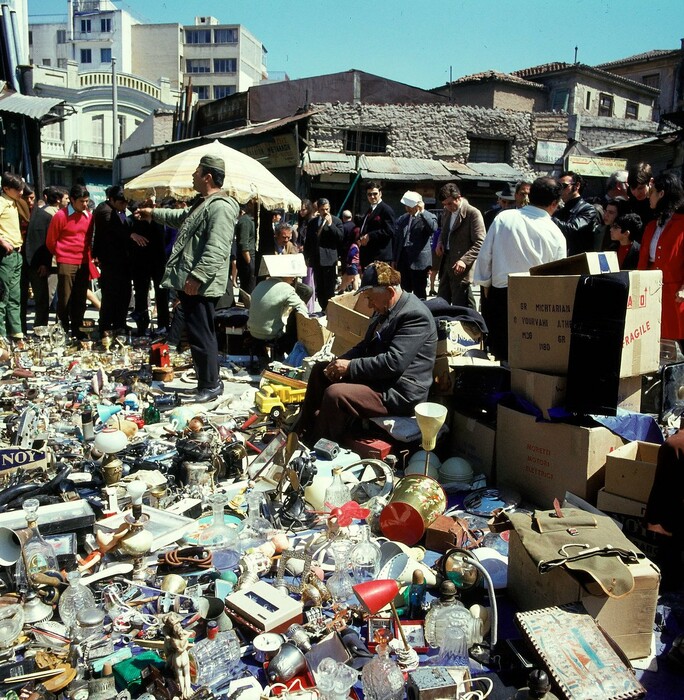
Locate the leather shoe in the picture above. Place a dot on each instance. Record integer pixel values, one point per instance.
(208, 394)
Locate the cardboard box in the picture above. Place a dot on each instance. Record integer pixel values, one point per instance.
(474, 441)
(547, 391)
(446, 369)
(582, 264)
(544, 460)
(311, 333)
(630, 515)
(348, 317)
(628, 620)
(630, 470)
(457, 338)
(540, 323)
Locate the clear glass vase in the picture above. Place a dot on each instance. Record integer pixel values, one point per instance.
(381, 677)
(254, 530)
(218, 535)
(340, 583)
(454, 648)
(337, 493)
(75, 598)
(364, 557)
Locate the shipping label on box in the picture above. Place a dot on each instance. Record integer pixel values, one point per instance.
(631, 469)
(474, 441)
(544, 460)
(540, 322)
(547, 391)
(627, 620)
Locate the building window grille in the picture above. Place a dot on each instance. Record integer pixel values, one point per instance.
(488, 150)
(366, 141)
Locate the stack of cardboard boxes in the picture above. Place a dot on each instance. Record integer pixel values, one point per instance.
(544, 460)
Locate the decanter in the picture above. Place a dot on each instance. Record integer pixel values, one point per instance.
(442, 612)
(381, 678)
(364, 557)
(218, 535)
(340, 583)
(334, 679)
(39, 555)
(254, 530)
(75, 598)
(337, 493)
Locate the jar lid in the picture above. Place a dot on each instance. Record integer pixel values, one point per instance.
(90, 617)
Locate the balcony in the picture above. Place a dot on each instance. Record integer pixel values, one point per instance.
(92, 150)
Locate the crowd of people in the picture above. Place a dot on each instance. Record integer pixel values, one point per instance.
(57, 246)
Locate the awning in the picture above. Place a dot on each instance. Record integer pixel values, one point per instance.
(500, 172)
(27, 105)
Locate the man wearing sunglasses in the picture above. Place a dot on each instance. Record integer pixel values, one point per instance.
(578, 220)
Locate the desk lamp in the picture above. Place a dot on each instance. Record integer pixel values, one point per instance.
(430, 418)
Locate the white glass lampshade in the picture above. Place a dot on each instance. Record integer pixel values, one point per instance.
(109, 441)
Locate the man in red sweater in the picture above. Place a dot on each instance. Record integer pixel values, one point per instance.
(69, 238)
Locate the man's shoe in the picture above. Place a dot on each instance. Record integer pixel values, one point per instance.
(207, 394)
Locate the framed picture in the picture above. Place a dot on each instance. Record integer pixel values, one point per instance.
(413, 631)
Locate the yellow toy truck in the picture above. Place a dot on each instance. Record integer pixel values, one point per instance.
(271, 399)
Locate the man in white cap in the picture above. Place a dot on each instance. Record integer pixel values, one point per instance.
(412, 249)
(198, 266)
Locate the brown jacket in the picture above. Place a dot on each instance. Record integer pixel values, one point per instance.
(465, 239)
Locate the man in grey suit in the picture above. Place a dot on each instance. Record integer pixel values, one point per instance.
(459, 243)
(324, 235)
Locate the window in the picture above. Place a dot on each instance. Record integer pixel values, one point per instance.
(225, 36)
(30, 38)
(559, 100)
(223, 91)
(365, 141)
(488, 150)
(652, 80)
(106, 25)
(197, 65)
(605, 105)
(105, 55)
(225, 65)
(587, 105)
(61, 36)
(85, 26)
(62, 62)
(122, 129)
(86, 56)
(632, 110)
(198, 36)
(47, 62)
(202, 91)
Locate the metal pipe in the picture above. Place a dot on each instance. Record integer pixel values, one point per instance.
(115, 124)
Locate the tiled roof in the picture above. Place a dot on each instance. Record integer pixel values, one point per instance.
(637, 58)
(495, 76)
(541, 69)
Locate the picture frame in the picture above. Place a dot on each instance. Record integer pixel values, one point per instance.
(414, 630)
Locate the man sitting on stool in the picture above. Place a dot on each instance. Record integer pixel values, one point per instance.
(387, 373)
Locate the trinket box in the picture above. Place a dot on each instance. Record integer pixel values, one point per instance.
(265, 607)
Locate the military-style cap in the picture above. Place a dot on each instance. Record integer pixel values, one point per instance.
(379, 274)
(213, 162)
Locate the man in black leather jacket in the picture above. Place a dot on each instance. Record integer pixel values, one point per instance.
(578, 219)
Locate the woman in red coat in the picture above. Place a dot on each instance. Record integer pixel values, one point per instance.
(662, 248)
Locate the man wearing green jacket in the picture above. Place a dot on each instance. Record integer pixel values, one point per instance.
(198, 266)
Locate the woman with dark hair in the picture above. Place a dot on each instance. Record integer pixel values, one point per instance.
(662, 248)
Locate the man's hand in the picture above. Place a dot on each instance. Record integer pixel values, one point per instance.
(144, 213)
(191, 287)
(679, 296)
(247, 256)
(139, 240)
(337, 370)
(459, 267)
(439, 249)
(363, 240)
(43, 271)
(7, 246)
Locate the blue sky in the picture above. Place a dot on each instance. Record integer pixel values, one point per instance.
(423, 43)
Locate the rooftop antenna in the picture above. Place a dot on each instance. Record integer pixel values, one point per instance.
(575, 54)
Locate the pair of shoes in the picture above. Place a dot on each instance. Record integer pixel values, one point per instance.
(207, 394)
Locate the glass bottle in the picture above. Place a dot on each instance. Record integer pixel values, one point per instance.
(381, 678)
(76, 597)
(337, 493)
(39, 555)
(254, 530)
(364, 557)
(218, 535)
(334, 679)
(443, 612)
(340, 583)
(216, 658)
(416, 596)
(454, 648)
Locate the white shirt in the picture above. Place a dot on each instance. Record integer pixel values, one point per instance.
(517, 240)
